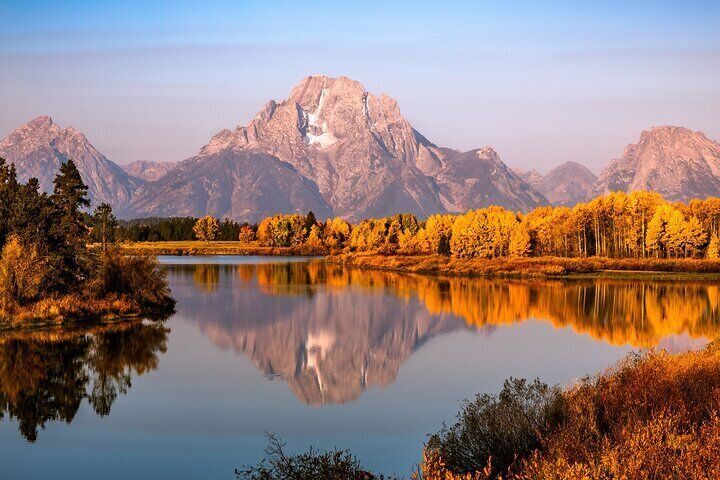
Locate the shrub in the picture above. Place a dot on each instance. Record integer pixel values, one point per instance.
(311, 465)
(22, 272)
(135, 277)
(498, 429)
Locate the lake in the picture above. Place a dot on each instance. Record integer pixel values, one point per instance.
(317, 354)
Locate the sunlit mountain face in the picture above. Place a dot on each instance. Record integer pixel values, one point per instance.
(331, 332)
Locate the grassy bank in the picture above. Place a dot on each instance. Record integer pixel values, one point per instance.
(531, 266)
(74, 310)
(215, 248)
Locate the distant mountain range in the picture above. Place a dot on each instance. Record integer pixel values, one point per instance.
(333, 148)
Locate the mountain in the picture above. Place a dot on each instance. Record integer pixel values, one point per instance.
(147, 170)
(676, 162)
(567, 184)
(39, 147)
(346, 152)
(531, 177)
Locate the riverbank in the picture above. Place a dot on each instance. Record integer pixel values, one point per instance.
(532, 266)
(215, 248)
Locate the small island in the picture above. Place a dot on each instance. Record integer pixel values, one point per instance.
(48, 276)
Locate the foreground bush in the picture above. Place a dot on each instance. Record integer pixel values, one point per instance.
(311, 465)
(493, 431)
(653, 416)
(134, 277)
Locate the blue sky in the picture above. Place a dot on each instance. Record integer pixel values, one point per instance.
(541, 82)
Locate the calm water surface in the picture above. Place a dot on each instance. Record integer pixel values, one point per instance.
(319, 355)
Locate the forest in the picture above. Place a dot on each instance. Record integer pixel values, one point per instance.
(637, 225)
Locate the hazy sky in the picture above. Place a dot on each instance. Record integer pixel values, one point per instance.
(541, 82)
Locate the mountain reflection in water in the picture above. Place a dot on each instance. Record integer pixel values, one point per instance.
(330, 332)
(45, 376)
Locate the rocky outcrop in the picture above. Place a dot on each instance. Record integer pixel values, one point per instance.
(567, 184)
(531, 177)
(39, 147)
(676, 162)
(148, 170)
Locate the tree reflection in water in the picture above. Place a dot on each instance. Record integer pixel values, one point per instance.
(46, 376)
(332, 332)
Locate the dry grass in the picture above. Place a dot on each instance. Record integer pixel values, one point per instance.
(215, 248)
(67, 309)
(521, 267)
(653, 416)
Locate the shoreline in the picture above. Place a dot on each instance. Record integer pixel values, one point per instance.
(534, 267)
(71, 312)
(438, 265)
(191, 248)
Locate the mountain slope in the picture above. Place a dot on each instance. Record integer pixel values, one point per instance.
(362, 154)
(39, 147)
(676, 162)
(242, 185)
(479, 178)
(567, 184)
(148, 170)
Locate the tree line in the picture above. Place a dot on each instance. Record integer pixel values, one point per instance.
(618, 225)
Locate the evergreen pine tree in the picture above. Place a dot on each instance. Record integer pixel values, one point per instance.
(69, 197)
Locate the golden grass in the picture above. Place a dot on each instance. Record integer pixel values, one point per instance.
(197, 247)
(67, 309)
(523, 267)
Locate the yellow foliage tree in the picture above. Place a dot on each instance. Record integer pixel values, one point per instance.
(207, 228)
(22, 272)
(713, 250)
(520, 241)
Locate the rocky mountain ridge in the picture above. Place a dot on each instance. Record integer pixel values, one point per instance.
(336, 149)
(39, 147)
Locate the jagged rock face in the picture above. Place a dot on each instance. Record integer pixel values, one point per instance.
(356, 147)
(676, 162)
(244, 185)
(39, 147)
(148, 170)
(366, 158)
(532, 177)
(567, 184)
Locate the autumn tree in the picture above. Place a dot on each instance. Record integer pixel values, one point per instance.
(22, 272)
(520, 241)
(207, 228)
(247, 234)
(713, 249)
(282, 230)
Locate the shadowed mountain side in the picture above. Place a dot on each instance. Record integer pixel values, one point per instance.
(242, 185)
